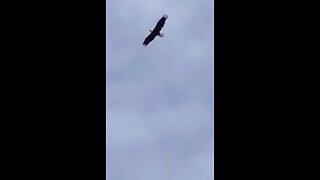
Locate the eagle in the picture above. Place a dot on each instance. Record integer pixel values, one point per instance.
(156, 31)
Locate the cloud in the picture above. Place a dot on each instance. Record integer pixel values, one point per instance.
(159, 97)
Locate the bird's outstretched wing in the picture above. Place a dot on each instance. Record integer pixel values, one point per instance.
(160, 23)
(149, 38)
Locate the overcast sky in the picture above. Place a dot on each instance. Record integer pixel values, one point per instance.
(160, 97)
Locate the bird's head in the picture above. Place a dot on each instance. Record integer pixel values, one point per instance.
(165, 16)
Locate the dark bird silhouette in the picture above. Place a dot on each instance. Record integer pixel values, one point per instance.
(156, 31)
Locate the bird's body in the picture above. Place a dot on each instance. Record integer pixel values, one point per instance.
(156, 31)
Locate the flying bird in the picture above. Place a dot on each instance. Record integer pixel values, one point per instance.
(156, 31)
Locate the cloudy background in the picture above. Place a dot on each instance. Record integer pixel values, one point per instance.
(160, 97)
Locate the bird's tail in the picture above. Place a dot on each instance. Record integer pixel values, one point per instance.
(161, 35)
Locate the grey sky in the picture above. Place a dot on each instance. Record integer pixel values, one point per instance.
(160, 97)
